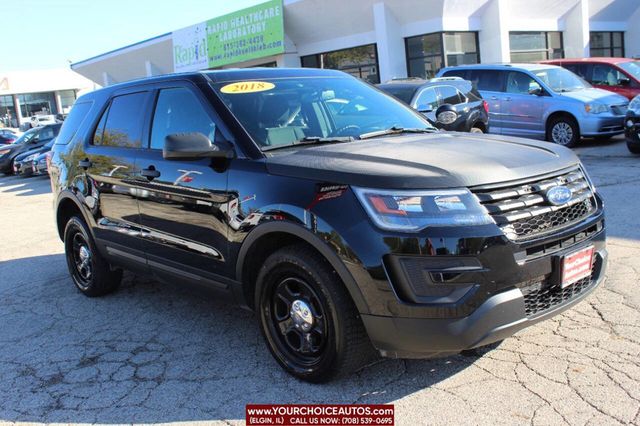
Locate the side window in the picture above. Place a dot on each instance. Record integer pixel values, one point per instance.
(490, 80)
(520, 83)
(455, 73)
(46, 134)
(449, 95)
(72, 123)
(122, 122)
(577, 69)
(179, 110)
(427, 100)
(606, 75)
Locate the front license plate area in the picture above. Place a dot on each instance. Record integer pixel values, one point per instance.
(576, 266)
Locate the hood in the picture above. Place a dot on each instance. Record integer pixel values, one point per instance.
(439, 160)
(596, 95)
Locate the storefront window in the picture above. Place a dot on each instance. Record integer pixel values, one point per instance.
(535, 46)
(426, 54)
(8, 111)
(361, 62)
(67, 98)
(606, 43)
(37, 104)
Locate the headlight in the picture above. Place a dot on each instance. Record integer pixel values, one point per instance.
(634, 105)
(596, 108)
(415, 210)
(29, 158)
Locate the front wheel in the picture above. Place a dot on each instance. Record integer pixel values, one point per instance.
(307, 317)
(476, 130)
(633, 148)
(563, 131)
(90, 272)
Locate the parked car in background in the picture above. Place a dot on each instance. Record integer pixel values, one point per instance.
(34, 138)
(23, 163)
(632, 126)
(40, 164)
(544, 102)
(7, 138)
(427, 96)
(9, 132)
(619, 75)
(345, 227)
(42, 120)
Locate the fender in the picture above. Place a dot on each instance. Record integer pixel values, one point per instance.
(311, 238)
(69, 195)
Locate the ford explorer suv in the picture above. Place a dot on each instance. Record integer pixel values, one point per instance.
(544, 102)
(345, 230)
(618, 75)
(451, 103)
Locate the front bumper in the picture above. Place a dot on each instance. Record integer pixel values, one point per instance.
(601, 125)
(497, 318)
(632, 129)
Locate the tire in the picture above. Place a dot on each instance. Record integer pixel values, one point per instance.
(633, 148)
(90, 272)
(325, 339)
(476, 130)
(563, 130)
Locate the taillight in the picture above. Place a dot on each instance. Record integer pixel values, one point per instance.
(485, 105)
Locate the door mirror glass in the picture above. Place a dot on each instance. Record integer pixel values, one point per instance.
(425, 108)
(535, 89)
(193, 146)
(446, 114)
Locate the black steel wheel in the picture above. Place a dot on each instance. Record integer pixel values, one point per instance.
(90, 272)
(308, 320)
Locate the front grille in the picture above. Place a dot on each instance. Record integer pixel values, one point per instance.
(523, 212)
(620, 109)
(539, 298)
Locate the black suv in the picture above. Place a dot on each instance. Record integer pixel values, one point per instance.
(30, 140)
(334, 211)
(451, 103)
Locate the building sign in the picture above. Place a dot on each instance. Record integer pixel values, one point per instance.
(250, 33)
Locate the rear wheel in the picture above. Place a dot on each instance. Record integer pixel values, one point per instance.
(90, 272)
(476, 130)
(563, 130)
(307, 317)
(633, 148)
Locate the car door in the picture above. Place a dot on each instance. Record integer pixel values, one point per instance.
(523, 106)
(182, 202)
(608, 77)
(108, 162)
(490, 84)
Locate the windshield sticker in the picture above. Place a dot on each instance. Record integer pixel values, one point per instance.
(247, 87)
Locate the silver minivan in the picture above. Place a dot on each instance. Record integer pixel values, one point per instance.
(544, 102)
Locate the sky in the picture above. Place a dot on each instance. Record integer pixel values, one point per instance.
(43, 34)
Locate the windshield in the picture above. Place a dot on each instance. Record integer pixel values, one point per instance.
(27, 136)
(281, 112)
(561, 80)
(632, 68)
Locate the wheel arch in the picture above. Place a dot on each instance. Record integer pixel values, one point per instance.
(67, 206)
(266, 238)
(556, 114)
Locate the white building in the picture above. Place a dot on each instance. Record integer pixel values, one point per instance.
(382, 39)
(27, 93)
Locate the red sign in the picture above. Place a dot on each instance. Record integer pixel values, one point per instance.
(324, 414)
(577, 266)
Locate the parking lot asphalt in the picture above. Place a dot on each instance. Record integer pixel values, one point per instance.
(158, 353)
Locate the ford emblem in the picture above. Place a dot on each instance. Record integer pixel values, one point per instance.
(559, 195)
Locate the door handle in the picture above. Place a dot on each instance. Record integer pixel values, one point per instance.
(507, 98)
(85, 164)
(150, 172)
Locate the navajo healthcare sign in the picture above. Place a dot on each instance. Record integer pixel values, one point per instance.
(250, 33)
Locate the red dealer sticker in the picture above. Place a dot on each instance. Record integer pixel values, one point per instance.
(324, 414)
(577, 266)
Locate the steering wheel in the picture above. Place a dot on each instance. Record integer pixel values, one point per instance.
(352, 128)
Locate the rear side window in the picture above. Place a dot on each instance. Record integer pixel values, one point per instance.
(489, 80)
(456, 73)
(46, 133)
(73, 121)
(427, 100)
(121, 124)
(578, 69)
(178, 110)
(450, 95)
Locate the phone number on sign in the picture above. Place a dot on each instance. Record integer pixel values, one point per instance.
(320, 414)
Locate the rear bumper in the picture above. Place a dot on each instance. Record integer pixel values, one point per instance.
(497, 318)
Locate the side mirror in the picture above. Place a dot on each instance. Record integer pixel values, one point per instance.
(425, 108)
(194, 145)
(446, 114)
(535, 90)
(625, 82)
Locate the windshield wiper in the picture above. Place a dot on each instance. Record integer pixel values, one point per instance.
(395, 130)
(312, 140)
